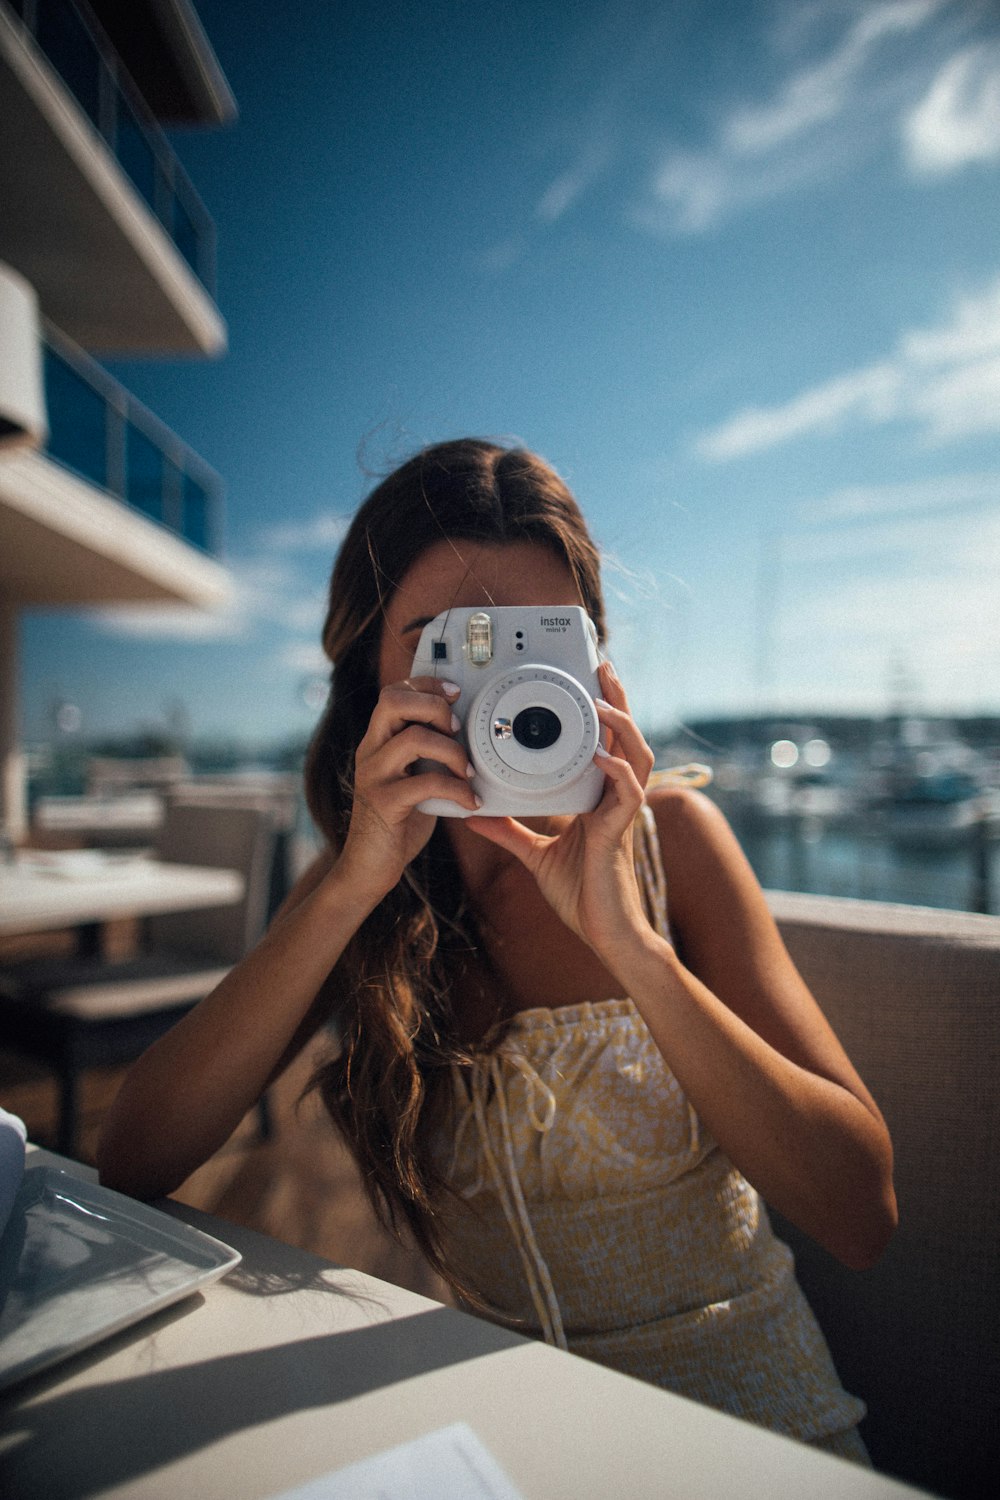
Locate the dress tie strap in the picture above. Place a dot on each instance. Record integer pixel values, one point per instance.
(487, 1072)
(482, 1082)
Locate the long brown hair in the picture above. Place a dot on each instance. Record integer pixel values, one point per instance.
(390, 990)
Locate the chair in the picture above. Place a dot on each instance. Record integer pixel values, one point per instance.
(74, 1013)
(914, 995)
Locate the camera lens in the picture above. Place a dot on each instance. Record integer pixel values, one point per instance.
(536, 728)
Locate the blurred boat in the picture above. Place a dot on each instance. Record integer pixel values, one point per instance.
(931, 789)
(937, 809)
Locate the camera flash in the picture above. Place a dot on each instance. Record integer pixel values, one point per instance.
(480, 638)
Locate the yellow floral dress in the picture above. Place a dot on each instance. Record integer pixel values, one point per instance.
(595, 1211)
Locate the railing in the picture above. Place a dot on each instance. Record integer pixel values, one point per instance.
(71, 40)
(102, 433)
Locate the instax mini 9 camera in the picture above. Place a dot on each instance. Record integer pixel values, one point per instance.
(529, 679)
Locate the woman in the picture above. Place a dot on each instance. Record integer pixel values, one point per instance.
(574, 1162)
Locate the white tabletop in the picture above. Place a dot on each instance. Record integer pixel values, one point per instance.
(136, 812)
(41, 891)
(290, 1368)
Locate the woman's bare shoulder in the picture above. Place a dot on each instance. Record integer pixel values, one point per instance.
(708, 876)
(687, 821)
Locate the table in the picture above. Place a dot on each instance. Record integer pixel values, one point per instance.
(83, 889)
(135, 817)
(44, 892)
(291, 1367)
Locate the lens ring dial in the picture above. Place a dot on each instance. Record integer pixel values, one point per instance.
(503, 759)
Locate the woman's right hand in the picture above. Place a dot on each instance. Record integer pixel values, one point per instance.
(413, 721)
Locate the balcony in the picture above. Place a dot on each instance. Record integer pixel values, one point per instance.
(100, 432)
(65, 536)
(96, 79)
(101, 217)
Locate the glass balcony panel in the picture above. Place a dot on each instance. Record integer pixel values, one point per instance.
(144, 474)
(70, 48)
(86, 64)
(78, 433)
(100, 432)
(189, 240)
(196, 515)
(135, 153)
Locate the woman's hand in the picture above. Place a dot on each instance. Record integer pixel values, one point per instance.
(413, 721)
(586, 872)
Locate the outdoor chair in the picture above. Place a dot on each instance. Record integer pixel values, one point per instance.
(914, 994)
(78, 1012)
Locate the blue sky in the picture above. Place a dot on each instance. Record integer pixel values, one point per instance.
(733, 268)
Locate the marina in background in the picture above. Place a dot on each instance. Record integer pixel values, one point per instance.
(904, 808)
(900, 809)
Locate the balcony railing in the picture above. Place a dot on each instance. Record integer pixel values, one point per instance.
(71, 40)
(103, 434)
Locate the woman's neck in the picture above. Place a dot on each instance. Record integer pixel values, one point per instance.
(527, 956)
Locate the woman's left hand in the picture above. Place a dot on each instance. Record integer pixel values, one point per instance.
(586, 871)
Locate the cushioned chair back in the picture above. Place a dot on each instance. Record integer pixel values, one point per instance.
(915, 997)
(234, 838)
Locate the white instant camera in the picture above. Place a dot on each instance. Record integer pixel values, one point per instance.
(529, 679)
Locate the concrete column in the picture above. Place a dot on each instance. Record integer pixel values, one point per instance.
(22, 386)
(13, 778)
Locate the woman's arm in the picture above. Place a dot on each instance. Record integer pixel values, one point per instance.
(185, 1096)
(728, 1010)
(750, 1046)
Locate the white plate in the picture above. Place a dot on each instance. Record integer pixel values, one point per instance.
(79, 1262)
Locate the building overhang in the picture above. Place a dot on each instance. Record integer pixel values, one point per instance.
(105, 270)
(164, 46)
(65, 543)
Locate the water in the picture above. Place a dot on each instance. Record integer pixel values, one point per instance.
(795, 855)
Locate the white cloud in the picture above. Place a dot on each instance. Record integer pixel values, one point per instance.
(694, 188)
(322, 533)
(962, 402)
(958, 120)
(570, 185)
(871, 392)
(919, 594)
(562, 194)
(822, 92)
(265, 592)
(505, 253)
(821, 118)
(866, 502)
(166, 622)
(306, 613)
(945, 379)
(305, 657)
(972, 331)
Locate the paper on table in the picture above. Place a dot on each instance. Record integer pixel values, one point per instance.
(450, 1464)
(12, 1139)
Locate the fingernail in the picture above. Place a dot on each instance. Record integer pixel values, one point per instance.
(478, 799)
(601, 751)
(470, 770)
(450, 689)
(456, 723)
(603, 703)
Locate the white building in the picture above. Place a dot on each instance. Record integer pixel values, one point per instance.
(104, 249)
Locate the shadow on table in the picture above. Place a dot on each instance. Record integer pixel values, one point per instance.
(81, 1442)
